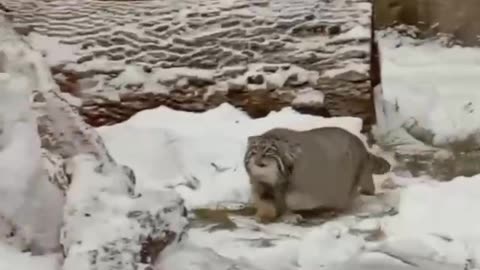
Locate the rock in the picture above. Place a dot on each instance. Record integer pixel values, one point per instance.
(235, 86)
(74, 177)
(310, 101)
(233, 71)
(295, 80)
(156, 215)
(32, 201)
(353, 54)
(351, 76)
(309, 17)
(457, 18)
(270, 69)
(199, 81)
(334, 29)
(255, 79)
(271, 86)
(230, 23)
(182, 84)
(171, 38)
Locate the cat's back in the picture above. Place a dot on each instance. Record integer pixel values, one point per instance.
(328, 141)
(285, 134)
(327, 168)
(332, 134)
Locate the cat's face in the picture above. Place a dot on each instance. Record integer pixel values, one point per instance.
(263, 159)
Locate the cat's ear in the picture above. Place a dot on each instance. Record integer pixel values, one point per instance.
(251, 139)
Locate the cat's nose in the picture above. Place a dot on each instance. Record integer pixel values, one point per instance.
(260, 163)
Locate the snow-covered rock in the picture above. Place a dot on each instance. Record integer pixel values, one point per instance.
(59, 183)
(29, 201)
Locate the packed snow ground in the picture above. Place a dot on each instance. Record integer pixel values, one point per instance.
(200, 156)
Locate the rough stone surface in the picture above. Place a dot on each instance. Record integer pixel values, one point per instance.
(458, 18)
(220, 43)
(97, 189)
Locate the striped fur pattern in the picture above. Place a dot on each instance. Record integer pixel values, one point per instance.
(269, 163)
(264, 150)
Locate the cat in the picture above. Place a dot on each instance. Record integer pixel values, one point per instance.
(306, 170)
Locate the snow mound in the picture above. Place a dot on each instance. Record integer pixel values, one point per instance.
(200, 154)
(98, 214)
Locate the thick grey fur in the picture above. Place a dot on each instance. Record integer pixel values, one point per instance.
(330, 165)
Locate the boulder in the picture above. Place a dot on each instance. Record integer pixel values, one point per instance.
(62, 188)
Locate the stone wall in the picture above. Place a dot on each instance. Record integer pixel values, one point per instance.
(456, 17)
(121, 57)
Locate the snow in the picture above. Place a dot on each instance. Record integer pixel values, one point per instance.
(153, 81)
(205, 165)
(99, 215)
(357, 67)
(28, 201)
(61, 54)
(424, 209)
(357, 32)
(42, 139)
(11, 258)
(199, 258)
(437, 86)
(277, 76)
(200, 156)
(329, 245)
(309, 96)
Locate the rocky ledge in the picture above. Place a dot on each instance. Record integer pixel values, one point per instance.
(120, 57)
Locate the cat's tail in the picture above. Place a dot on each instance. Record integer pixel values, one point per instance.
(379, 164)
